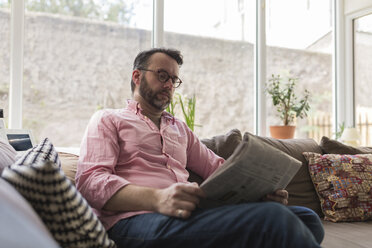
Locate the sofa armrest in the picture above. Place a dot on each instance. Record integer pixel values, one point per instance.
(20, 225)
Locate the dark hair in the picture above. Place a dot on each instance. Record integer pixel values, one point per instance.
(142, 59)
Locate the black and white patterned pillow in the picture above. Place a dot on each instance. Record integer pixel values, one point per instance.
(42, 152)
(61, 207)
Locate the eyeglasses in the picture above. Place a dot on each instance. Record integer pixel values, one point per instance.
(163, 77)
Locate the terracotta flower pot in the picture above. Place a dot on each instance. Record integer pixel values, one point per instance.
(282, 132)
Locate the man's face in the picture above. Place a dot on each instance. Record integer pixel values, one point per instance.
(158, 94)
(158, 98)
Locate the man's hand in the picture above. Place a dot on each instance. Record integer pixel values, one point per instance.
(280, 195)
(179, 199)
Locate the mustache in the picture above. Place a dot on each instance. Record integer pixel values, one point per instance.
(166, 92)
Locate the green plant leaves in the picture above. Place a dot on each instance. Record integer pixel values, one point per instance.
(285, 99)
(187, 106)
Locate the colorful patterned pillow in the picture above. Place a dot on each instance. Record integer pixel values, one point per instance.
(61, 207)
(343, 184)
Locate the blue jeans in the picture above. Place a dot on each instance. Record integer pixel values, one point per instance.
(264, 224)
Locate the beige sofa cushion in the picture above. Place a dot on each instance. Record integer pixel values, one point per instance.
(69, 165)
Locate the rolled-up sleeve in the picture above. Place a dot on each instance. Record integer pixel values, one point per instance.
(96, 177)
(200, 159)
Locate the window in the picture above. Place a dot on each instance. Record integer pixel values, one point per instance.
(78, 59)
(362, 77)
(215, 37)
(4, 56)
(300, 45)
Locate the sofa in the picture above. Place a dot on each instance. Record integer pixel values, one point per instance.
(43, 204)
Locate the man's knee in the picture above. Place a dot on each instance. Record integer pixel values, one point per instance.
(281, 224)
(279, 217)
(311, 220)
(274, 210)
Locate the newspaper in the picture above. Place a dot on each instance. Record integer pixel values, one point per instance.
(252, 171)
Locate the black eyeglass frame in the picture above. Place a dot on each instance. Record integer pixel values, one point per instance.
(176, 81)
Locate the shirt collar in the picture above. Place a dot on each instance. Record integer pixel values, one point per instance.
(135, 106)
(168, 117)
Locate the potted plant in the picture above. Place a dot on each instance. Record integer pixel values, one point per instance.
(287, 104)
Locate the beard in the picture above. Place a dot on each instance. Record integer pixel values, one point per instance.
(153, 97)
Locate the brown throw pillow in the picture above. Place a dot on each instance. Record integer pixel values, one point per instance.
(301, 189)
(330, 146)
(343, 183)
(224, 145)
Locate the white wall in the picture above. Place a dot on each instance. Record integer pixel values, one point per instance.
(356, 5)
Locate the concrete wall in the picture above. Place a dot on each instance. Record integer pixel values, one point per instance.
(73, 66)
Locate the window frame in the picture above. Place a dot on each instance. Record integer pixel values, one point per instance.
(350, 108)
(16, 64)
(343, 80)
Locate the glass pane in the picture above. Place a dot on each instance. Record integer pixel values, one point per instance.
(5, 57)
(218, 60)
(362, 77)
(300, 46)
(78, 60)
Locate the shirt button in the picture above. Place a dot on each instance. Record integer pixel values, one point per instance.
(168, 166)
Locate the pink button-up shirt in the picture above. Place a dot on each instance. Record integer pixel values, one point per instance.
(122, 147)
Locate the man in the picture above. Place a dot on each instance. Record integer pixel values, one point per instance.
(132, 171)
